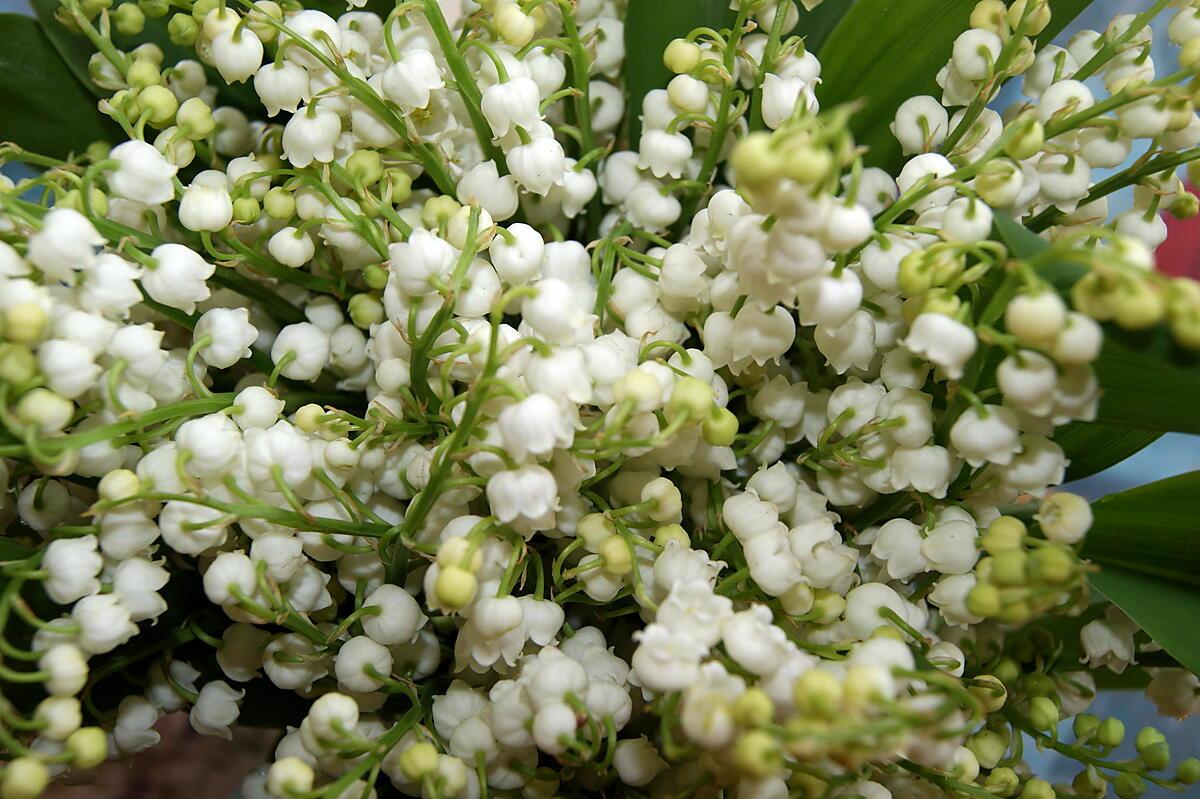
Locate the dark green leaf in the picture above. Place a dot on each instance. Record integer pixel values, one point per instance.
(11, 550)
(45, 109)
(1093, 446)
(73, 46)
(1149, 383)
(816, 25)
(650, 25)
(883, 52)
(1164, 609)
(1152, 529)
(1063, 12)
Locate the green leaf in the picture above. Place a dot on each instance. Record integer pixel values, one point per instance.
(72, 46)
(816, 25)
(1094, 446)
(1062, 13)
(46, 109)
(883, 52)
(1152, 529)
(650, 25)
(1164, 609)
(1149, 383)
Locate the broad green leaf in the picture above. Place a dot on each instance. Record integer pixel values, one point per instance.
(1152, 529)
(816, 25)
(46, 109)
(650, 25)
(883, 52)
(1062, 13)
(1094, 446)
(1164, 609)
(73, 46)
(1148, 382)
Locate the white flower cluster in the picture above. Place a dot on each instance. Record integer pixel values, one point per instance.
(527, 463)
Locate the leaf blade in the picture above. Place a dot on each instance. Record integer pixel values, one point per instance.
(46, 110)
(1159, 607)
(894, 70)
(650, 25)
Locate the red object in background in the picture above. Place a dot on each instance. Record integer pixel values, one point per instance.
(1180, 253)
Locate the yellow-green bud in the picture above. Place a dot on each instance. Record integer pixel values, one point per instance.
(1085, 726)
(183, 29)
(691, 395)
(88, 747)
(154, 9)
(618, 560)
(720, 428)
(991, 15)
(1188, 771)
(376, 276)
(818, 693)
(753, 708)
(143, 73)
(1027, 138)
(17, 364)
(1043, 713)
(988, 746)
(1008, 568)
(200, 8)
(1002, 781)
(1036, 18)
(1185, 206)
(682, 56)
(1051, 564)
(400, 183)
(515, 27)
(1004, 534)
(24, 778)
(984, 600)
(419, 761)
(1147, 737)
(989, 692)
(753, 159)
(455, 586)
(195, 118)
(1157, 756)
(24, 323)
(595, 529)
(756, 753)
(246, 210)
(1128, 786)
(1189, 54)
(806, 164)
(437, 210)
(365, 166)
(279, 203)
(119, 484)
(160, 103)
(129, 19)
(366, 310)
(1110, 733)
(1035, 788)
(671, 532)
(1138, 305)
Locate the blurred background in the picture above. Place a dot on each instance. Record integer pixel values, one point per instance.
(210, 768)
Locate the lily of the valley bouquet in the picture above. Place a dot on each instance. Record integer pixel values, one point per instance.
(662, 398)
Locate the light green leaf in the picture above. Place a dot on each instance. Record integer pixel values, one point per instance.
(1148, 382)
(1152, 529)
(1164, 609)
(883, 52)
(650, 25)
(1094, 446)
(46, 109)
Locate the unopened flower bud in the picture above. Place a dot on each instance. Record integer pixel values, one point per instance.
(682, 56)
(88, 747)
(419, 761)
(455, 586)
(1111, 733)
(756, 753)
(720, 428)
(616, 556)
